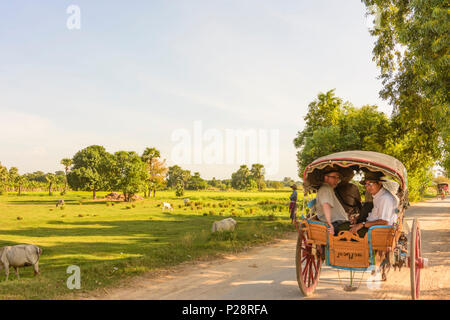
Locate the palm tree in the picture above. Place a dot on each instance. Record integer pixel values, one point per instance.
(21, 181)
(51, 179)
(66, 162)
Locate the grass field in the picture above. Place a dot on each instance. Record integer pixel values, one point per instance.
(111, 241)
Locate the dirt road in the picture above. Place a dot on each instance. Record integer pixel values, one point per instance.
(269, 272)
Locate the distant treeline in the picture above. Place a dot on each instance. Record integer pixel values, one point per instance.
(94, 169)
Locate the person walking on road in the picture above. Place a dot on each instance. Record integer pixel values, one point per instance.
(293, 203)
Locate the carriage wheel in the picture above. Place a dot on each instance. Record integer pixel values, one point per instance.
(415, 261)
(308, 263)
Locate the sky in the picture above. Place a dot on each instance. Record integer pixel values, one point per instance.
(182, 76)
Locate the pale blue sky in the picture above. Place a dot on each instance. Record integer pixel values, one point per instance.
(137, 71)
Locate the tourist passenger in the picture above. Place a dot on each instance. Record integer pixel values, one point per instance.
(328, 207)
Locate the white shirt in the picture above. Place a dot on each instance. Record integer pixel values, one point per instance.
(384, 207)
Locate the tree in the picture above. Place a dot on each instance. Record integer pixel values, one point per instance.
(277, 185)
(195, 182)
(176, 175)
(91, 170)
(128, 173)
(3, 178)
(156, 169)
(66, 162)
(257, 172)
(287, 182)
(243, 179)
(21, 182)
(51, 180)
(412, 52)
(322, 112)
(340, 127)
(13, 175)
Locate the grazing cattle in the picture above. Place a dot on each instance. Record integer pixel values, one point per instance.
(21, 255)
(166, 205)
(60, 203)
(186, 201)
(227, 224)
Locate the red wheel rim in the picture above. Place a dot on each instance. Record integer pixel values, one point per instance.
(418, 256)
(308, 265)
(415, 260)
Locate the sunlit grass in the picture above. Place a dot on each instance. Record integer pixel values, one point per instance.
(111, 242)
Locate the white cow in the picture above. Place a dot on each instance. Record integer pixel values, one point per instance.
(166, 205)
(227, 224)
(186, 201)
(21, 255)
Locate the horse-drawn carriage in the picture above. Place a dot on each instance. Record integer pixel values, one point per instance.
(442, 189)
(382, 246)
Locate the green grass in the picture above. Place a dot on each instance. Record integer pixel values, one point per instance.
(112, 242)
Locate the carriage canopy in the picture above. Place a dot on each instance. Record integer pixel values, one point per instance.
(364, 161)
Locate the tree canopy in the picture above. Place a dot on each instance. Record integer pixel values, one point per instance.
(333, 125)
(412, 52)
(91, 170)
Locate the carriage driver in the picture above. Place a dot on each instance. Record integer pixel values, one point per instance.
(384, 204)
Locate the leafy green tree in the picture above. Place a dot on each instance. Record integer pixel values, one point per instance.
(13, 175)
(91, 170)
(176, 175)
(195, 182)
(22, 182)
(412, 52)
(243, 179)
(340, 127)
(51, 180)
(66, 162)
(129, 173)
(257, 172)
(277, 185)
(156, 169)
(179, 189)
(287, 182)
(3, 178)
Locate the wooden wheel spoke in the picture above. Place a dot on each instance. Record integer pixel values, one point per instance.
(305, 272)
(303, 260)
(315, 266)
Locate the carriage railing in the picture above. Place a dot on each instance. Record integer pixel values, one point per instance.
(347, 251)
